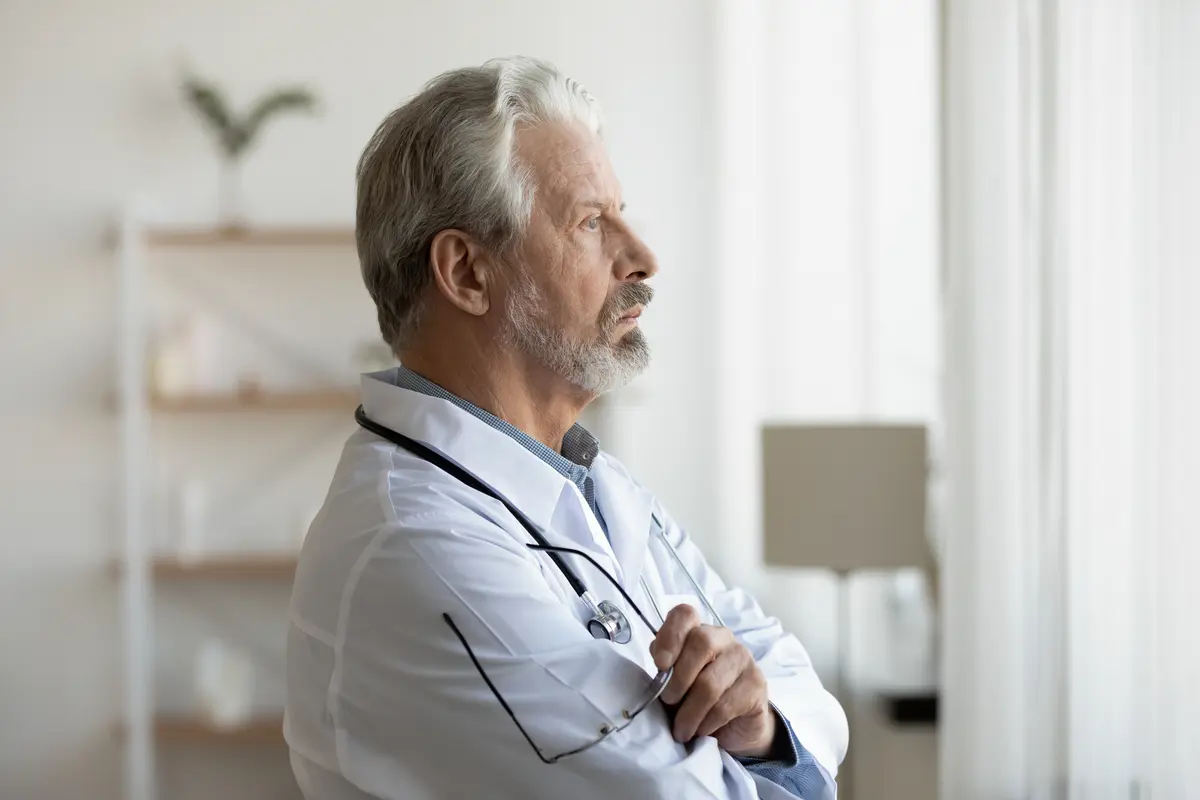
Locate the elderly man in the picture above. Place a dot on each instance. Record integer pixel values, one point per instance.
(488, 605)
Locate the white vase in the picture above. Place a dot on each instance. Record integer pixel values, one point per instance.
(224, 684)
(229, 194)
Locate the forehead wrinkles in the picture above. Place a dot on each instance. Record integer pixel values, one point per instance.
(564, 178)
(578, 162)
(565, 165)
(573, 167)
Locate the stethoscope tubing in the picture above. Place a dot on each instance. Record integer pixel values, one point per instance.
(662, 535)
(467, 477)
(464, 475)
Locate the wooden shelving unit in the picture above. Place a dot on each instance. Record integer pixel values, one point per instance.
(250, 237)
(144, 254)
(191, 730)
(333, 399)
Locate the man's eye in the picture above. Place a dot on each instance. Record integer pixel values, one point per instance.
(591, 224)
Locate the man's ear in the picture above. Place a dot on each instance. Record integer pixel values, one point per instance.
(461, 270)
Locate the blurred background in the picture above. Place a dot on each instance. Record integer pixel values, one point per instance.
(925, 374)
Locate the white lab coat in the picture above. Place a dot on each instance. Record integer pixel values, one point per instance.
(383, 701)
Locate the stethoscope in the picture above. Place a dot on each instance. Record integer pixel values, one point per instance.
(607, 621)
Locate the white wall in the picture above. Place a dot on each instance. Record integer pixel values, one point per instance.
(91, 117)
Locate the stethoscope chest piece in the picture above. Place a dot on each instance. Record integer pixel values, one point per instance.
(610, 623)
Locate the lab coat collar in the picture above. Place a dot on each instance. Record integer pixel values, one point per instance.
(627, 511)
(529, 483)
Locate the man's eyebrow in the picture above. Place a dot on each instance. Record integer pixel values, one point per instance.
(602, 205)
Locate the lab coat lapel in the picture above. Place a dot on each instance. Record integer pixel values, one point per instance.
(491, 455)
(626, 508)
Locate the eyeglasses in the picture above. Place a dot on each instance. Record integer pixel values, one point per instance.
(653, 691)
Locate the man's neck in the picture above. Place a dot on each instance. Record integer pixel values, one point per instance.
(505, 384)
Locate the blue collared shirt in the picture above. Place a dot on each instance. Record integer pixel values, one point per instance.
(798, 773)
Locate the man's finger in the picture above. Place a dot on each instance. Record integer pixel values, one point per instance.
(707, 692)
(738, 700)
(669, 642)
(704, 643)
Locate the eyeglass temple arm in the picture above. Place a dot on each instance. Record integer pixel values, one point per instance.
(496, 692)
(483, 673)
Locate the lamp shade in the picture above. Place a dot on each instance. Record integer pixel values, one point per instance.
(845, 497)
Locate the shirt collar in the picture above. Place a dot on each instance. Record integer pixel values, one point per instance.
(579, 446)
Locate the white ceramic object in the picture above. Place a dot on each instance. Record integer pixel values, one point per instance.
(193, 513)
(170, 370)
(187, 358)
(224, 684)
(203, 343)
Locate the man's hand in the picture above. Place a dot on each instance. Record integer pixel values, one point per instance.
(723, 692)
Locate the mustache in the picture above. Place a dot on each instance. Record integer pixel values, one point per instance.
(623, 299)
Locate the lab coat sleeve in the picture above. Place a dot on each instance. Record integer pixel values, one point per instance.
(408, 707)
(816, 718)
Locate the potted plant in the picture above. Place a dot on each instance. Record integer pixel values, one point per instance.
(235, 134)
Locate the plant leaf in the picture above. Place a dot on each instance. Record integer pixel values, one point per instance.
(209, 103)
(273, 104)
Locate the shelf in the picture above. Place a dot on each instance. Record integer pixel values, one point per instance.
(249, 567)
(221, 568)
(313, 400)
(191, 730)
(250, 237)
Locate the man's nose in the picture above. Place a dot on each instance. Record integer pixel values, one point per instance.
(638, 262)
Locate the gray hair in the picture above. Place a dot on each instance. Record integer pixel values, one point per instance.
(446, 159)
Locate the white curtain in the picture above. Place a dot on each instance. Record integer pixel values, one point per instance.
(1071, 596)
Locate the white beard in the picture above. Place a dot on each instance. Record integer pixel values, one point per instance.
(598, 366)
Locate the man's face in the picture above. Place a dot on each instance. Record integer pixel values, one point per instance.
(577, 284)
